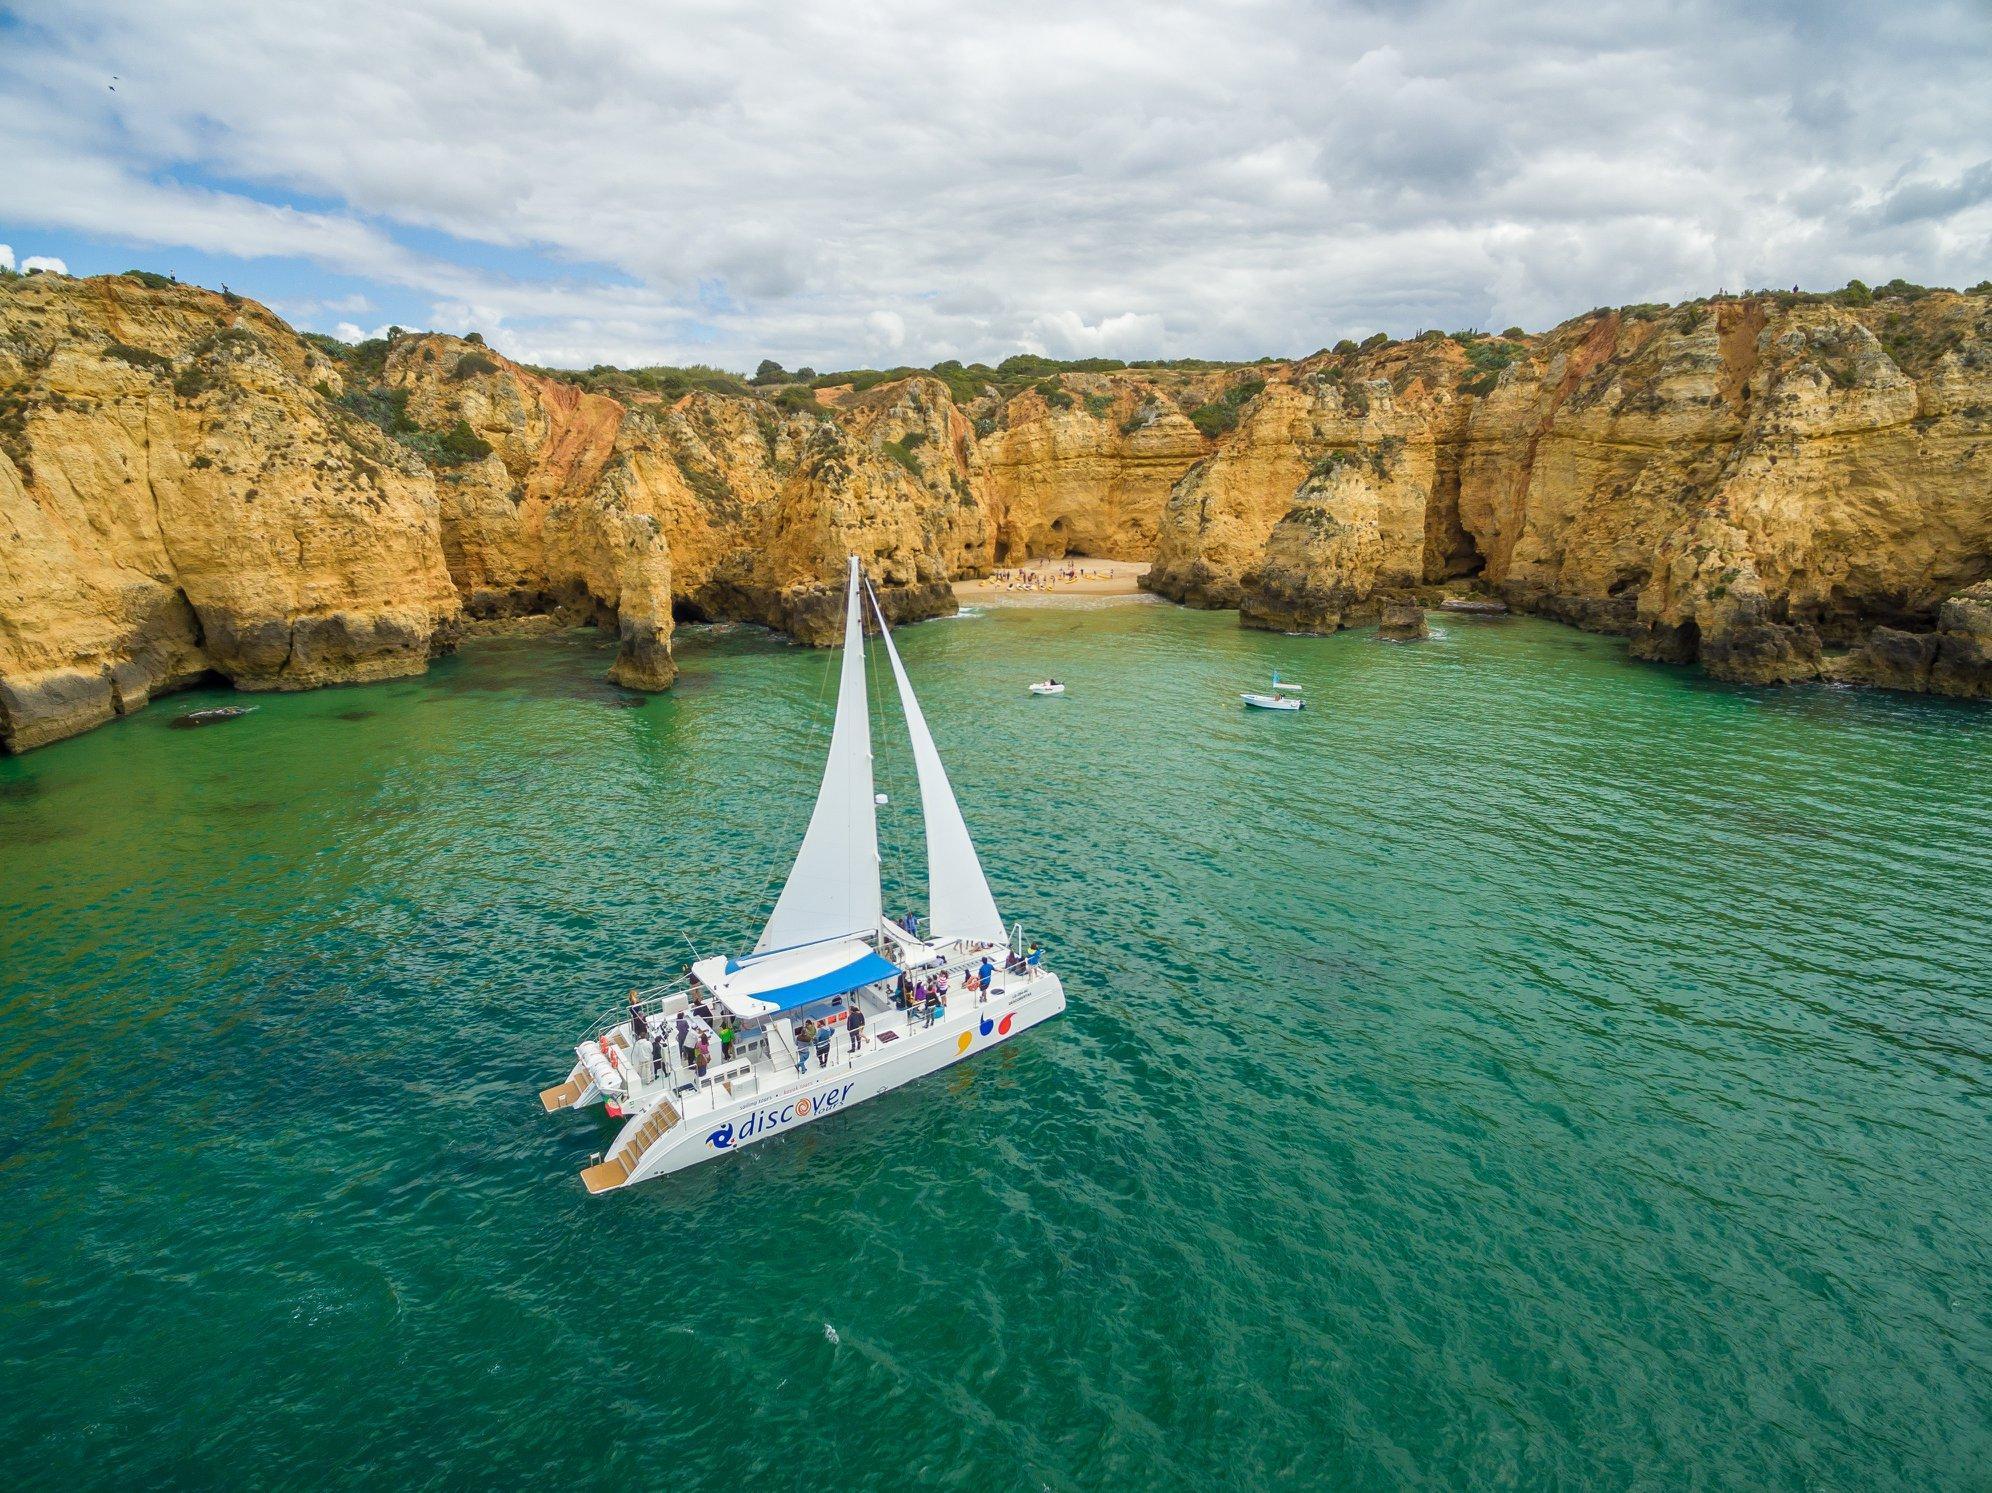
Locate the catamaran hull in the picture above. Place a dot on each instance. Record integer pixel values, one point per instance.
(755, 1118)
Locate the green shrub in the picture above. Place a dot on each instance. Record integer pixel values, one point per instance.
(1514, 334)
(138, 357)
(1479, 383)
(1346, 347)
(149, 280)
(472, 365)
(1374, 341)
(475, 339)
(901, 451)
(798, 401)
(1097, 405)
(985, 426)
(193, 381)
(201, 463)
(455, 446)
(1222, 414)
(770, 372)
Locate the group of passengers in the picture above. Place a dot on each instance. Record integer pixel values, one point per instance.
(816, 1036)
(925, 997)
(694, 1034)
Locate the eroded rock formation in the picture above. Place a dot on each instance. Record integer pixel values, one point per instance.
(1778, 488)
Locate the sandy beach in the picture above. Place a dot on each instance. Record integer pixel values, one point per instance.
(1050, 582)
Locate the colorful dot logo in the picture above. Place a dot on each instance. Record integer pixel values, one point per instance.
(988, 1026)
(961, 1043)
(802, 1108)
(1003, 1026)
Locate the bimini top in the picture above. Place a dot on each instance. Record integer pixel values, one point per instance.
(769, 984)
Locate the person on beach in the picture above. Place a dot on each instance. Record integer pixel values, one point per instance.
(804, 1034)
(857, 1026)
(823, 1045)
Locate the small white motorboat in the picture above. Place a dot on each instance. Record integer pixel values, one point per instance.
(1284, 697)
(1047, 687)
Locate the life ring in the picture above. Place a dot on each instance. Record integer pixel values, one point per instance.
(609, 1052)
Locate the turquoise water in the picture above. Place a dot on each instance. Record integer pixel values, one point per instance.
(1523, 1068)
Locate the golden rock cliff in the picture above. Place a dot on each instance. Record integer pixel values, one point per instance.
(1778, 488)
(177, 499)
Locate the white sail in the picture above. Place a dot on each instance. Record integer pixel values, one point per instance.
(958, 900)
(832, 889)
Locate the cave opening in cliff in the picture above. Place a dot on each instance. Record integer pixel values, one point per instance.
(684, 609)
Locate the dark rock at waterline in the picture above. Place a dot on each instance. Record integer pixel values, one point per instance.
(209, 717)
(1402, 621)
(1475, 606)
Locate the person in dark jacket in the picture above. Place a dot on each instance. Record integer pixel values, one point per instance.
(857, 1026)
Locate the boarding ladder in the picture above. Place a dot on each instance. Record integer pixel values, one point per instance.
(619, 1168)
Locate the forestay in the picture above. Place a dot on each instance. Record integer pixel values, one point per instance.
(833, 888)
(958, 901)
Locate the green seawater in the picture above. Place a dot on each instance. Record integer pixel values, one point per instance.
(1523, 1068)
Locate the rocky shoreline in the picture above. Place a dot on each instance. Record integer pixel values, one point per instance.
(1777, 488)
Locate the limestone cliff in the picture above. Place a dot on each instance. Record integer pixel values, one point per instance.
(1776, 487)
(177, 499)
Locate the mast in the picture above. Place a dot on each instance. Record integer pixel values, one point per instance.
(833, 889)
(958, 900)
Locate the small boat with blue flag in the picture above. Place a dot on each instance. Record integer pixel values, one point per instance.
(827, 961)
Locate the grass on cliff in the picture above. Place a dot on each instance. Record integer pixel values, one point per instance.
(1222, 414)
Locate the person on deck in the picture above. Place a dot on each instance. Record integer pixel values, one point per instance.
(857, 1026)
(901, 991)
(657, 1056)
(1031, 959)
(804, 1035)
(823, 1045)
(638, 1027)
(704, 1053)
(985, 974)
(684, 1033)
(726, 1036)
(933, 1009)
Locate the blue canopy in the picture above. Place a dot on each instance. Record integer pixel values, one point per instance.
(868, 970)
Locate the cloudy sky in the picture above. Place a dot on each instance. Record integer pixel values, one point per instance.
(870, 183)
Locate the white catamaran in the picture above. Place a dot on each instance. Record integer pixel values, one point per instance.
(828, 956)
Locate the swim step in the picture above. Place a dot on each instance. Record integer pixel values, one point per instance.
(607, 1175)
(563, 1095)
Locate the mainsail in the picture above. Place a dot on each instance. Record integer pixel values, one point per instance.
(832, 889)
(958, 900)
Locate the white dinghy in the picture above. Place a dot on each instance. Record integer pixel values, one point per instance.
(1047, 687)
(827, 956)
(1284, 696)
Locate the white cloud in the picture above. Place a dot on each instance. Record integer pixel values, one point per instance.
(873, 179)
(47, 263)
(6, 256)
(887, 328)
(347, 331)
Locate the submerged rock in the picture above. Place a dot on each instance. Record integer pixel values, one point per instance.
(212, 717)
